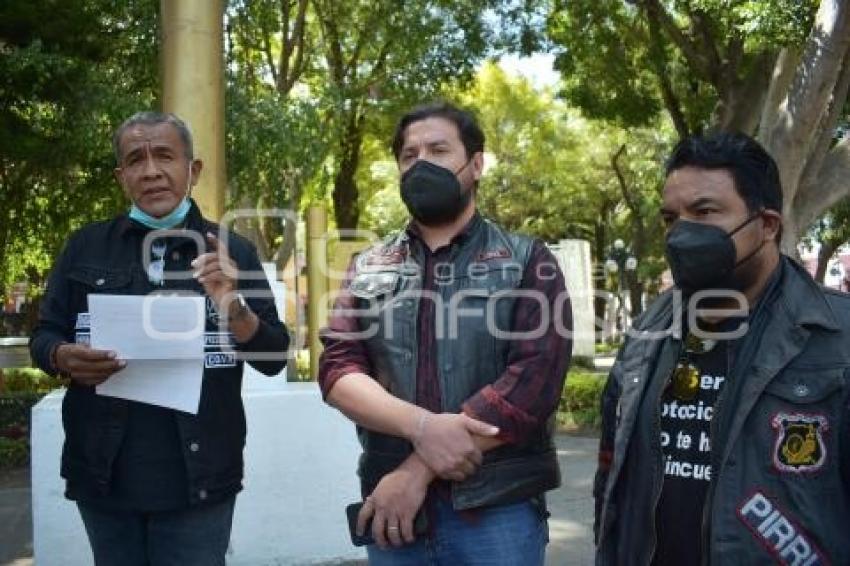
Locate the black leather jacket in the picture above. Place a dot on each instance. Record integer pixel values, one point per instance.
(763, 506)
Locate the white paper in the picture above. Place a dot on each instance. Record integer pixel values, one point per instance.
(175, 384)
(161, 338)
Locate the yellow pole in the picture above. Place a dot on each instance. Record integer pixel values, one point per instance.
(192, 63)
(317, 281)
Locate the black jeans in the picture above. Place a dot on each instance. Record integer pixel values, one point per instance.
(196, 536)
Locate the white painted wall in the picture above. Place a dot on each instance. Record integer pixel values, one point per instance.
(574, 259)
(300, 463)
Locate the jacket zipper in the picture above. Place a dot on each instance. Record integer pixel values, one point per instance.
(658, 486)
(715, 469)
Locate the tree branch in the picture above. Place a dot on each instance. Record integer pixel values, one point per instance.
(659, 66)
(621, 180)
(829, 187)
(826, 128)
(292, 62)
(792, 137)
(738, 110)
(689, 49)
(783, 73)
(333, 54)
(286, 44)
(709, 48)
(300, 33)
(267, 52)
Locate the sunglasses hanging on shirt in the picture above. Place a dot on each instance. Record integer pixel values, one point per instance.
(684, 383)
(156, 268)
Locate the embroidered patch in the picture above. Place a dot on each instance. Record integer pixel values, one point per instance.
(388, 255)
(83, 321)
(220, 360)
(218, 340)
(775, 529)
(799, 445)
(388, 259)
(499, 253)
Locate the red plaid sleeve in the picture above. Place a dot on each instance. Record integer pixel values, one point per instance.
(343, 354)
(528, 392)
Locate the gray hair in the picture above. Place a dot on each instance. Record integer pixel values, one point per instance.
(150, 118)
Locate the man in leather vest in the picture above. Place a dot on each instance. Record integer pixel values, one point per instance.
(155, 485)
(448, 346)
(726, 417)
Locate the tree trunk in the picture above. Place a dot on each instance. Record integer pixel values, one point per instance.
(799, 132)
(599, 302)
(827, 250)
(345, 193)
(636, 289)
(287, 246)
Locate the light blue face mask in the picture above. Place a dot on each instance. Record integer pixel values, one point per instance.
(170, 220)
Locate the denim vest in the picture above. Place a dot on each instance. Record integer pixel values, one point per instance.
(474, 307)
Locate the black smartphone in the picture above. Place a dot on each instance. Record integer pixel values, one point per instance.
(420, 525)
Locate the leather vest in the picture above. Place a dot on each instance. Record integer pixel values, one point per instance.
(474, 302)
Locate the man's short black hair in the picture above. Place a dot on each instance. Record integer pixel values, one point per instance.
(753, 169)
(467, 126)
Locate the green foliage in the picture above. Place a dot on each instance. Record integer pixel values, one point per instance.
(69, 72)
(626, 61)
(579, 405)
(28, 380)
(275, 148)
(604, 40)
(549, 172)
(14, 452)
(15, 413)
(20, 389)
(383, 210)
(607, 348)
(302, 365)
(15, 409)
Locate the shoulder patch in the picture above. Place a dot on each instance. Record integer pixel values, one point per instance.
(385, 255)
(799, 446)
(499, 253)
(774, 528)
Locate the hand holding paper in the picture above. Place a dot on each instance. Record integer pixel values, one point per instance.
(86, 365)
(161, 338)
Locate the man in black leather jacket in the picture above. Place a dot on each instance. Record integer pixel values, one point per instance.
(726, 423)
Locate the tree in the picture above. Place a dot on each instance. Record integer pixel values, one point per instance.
(551, 173)
(381, 58)
(69, 73)
(776, 68)
(830, 231)
(358, 63)
(275, 141)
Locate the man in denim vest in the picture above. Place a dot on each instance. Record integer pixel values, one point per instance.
(448, 346)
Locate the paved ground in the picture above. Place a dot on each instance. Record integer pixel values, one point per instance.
(571, 523)
(15, 518)
(570, 527)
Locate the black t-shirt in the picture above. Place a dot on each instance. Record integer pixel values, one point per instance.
(685, 431)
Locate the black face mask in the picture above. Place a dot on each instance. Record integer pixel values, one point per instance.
(702, 256)
(433, 194)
